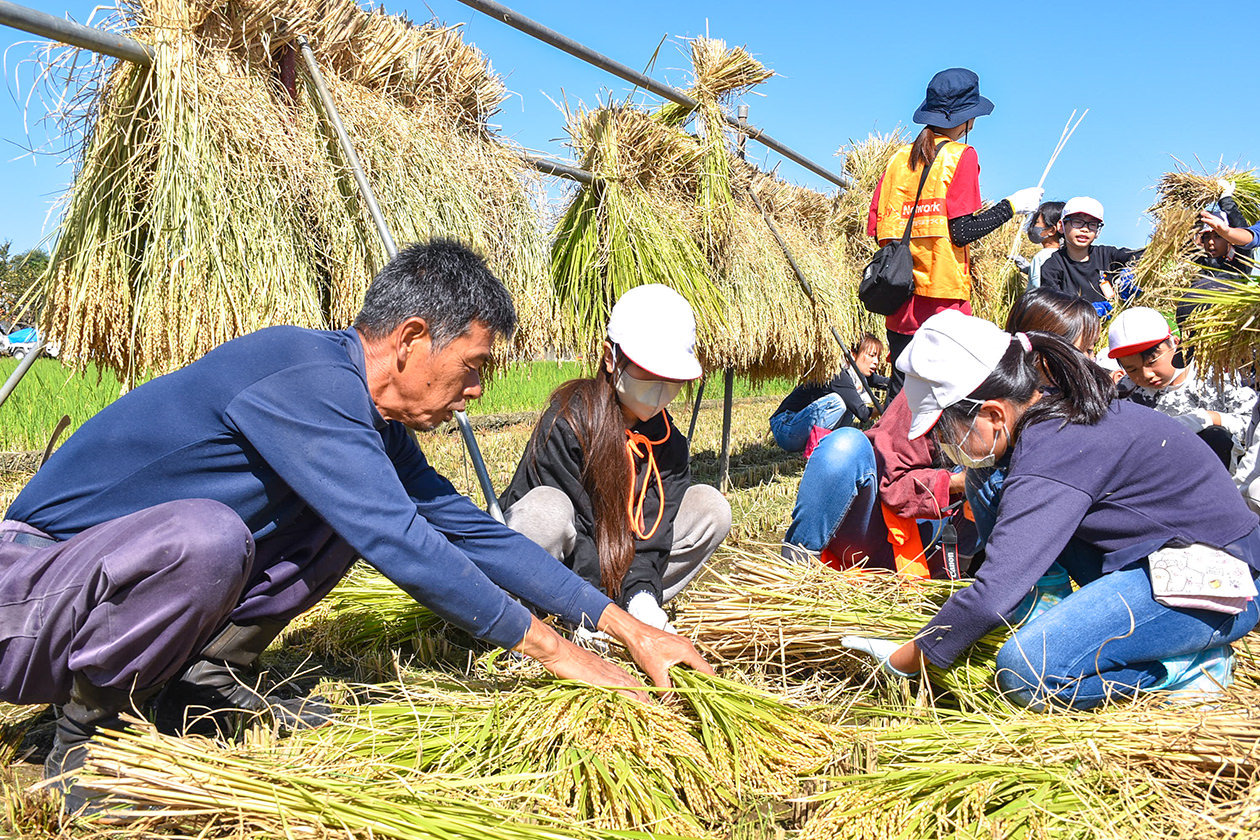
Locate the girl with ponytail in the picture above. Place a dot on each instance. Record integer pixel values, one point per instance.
(1108, 489)
(604, 484)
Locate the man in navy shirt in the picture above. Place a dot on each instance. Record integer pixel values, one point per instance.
(172, 538)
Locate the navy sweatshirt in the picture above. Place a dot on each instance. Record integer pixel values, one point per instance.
(281, 420)
(1127, 486)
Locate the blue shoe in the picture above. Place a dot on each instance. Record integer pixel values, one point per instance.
(1199, 678)
(1051, 588)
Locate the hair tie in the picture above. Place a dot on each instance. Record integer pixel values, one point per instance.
(1024, 342)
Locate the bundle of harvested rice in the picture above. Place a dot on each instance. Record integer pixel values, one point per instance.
(769, 614)
(211, 200)
(283, 788)
(676, 207)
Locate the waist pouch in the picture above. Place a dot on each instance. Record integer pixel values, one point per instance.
(1201, 577)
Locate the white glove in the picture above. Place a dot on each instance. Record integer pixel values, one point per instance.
(1026, 200)
(642, 605)
(877, 649)
(1227, 187)
(593, 640)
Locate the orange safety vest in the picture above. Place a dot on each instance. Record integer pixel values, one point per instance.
(941, 269)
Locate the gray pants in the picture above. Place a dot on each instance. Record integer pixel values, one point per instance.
(546, 516)
(127, 603)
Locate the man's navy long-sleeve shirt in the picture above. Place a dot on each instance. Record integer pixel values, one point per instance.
(281, 420)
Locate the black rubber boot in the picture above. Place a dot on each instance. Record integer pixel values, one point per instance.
(89, 710)
(219, 695)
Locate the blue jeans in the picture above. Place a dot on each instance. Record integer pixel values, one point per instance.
(791, 428)
(984, 492)
(839, 497)
(1106, 641)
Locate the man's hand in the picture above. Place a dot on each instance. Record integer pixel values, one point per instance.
(568, 661)
(655, 650)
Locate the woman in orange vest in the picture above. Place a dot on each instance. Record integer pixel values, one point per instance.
(948, 216)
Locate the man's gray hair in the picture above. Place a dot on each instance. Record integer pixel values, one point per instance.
(443, 282)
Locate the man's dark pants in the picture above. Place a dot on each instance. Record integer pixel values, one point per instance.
(126, 604)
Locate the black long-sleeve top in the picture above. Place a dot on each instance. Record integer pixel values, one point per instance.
(558, 463)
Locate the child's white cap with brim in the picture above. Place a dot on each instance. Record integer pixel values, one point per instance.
(950, 355)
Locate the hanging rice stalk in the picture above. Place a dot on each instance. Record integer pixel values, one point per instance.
(676, 208)
(211, 200)
(766, 613)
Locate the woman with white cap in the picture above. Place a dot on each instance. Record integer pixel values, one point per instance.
(1161, 545)
(604, 484)
(947, 214)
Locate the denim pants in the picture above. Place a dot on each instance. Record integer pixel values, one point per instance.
(791, 428)
(1106, 641)
(839, 497)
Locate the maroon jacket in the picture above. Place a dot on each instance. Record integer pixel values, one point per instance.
(907, 482)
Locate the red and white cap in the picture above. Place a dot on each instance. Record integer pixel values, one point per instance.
(950, 356)
(655, 328)
(1083, 205)
(1136, 330)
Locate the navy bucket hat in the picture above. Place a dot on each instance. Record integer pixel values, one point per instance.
(953, 97)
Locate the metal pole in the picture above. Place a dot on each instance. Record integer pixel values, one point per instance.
(555, 167)
(21, 369)
(695, 411)
(724, 461)
(76, 34)
(369, 198)
(549, 36)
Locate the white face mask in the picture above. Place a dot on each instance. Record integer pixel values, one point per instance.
(645, 398)
(960, 456)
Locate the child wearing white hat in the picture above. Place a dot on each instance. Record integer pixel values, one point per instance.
(604, 484)
(1110, 490)
(1080, 267)
(1141, 341)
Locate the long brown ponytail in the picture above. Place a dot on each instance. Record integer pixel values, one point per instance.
(923, 152)
(591, 409)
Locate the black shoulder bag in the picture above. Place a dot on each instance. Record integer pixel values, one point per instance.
(888, 279)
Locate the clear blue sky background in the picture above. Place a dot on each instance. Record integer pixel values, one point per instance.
(1156, 78)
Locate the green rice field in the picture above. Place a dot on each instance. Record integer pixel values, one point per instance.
(51, 390)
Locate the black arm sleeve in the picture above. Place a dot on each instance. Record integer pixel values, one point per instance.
(964, 230)
(847, 389)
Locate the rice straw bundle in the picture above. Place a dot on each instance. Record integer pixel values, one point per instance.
(211, 199)
(771, 614)
(1196, 191)
(279, 789)
(676, 208)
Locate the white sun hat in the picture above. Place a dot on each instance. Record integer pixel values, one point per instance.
(950, 355)
(655, 328)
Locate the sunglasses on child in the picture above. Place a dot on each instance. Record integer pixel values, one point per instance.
(1091, 224)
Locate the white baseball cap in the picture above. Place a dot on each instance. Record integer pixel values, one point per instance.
(1135, 330)
(948, 358)
(655, 328)
(1084, 206)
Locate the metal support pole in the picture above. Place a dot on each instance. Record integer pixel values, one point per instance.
(555, 167)
(549, 36)
(695, 411)
(76, 34)
(20, 371)
(724, 461)
(369, 198)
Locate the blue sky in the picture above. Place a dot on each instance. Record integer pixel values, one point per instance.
(1156, 78)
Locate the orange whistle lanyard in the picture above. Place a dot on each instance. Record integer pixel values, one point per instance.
(640, 446)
